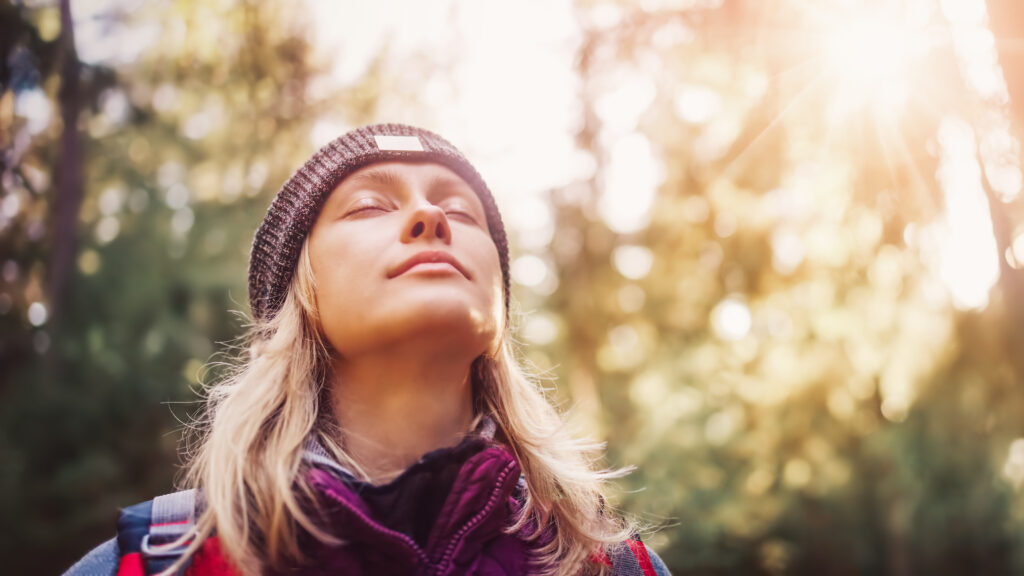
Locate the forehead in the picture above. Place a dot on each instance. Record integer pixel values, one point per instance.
(393, 174)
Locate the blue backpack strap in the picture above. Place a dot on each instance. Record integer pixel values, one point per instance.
(173, 516)
(150, 529)
(132, 526)
(624, 561)
(101, 561)
(634, 558)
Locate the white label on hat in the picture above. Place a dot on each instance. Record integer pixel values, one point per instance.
(410, 143)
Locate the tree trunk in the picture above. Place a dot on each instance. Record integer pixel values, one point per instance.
(1006, 21)
(64, 223)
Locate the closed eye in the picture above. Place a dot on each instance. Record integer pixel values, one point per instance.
(458, 209)
(462, 214)
(366, 208)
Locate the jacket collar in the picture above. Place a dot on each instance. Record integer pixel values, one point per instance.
(418, 520)
(315, 454)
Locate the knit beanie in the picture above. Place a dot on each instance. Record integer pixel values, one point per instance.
(278, 241)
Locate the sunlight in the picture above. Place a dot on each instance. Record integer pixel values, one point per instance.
(529, 270)
(476, 84)
(631, 182)
(35, 107)
(969, 263)
(869, 60)
(1013, 469)
(731, 319)
(633, 262)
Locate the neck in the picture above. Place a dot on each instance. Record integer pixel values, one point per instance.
(394, 408)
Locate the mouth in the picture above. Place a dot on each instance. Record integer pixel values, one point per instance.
(430, 260)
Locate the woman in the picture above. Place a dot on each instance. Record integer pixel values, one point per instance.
(380, 423)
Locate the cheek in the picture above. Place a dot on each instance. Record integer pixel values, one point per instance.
(339, 291)
(496, 283)
(343, 308)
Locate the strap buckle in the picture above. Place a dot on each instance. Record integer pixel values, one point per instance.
(162, 550)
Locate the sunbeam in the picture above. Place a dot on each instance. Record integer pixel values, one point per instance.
(736, 161)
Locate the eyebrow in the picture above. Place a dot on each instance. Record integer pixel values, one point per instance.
(376, 176)
(386, 177)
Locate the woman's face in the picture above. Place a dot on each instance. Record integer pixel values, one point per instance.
(402, 254)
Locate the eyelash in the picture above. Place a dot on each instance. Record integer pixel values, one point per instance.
(462, 213)
(363, 207)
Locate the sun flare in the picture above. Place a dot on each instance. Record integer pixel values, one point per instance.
(874, 64)
(869, 61)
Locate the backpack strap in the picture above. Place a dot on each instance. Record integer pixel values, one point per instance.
(146, 533)
(174, 515)
(630, 558)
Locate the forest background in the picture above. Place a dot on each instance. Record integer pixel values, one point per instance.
(771, 252)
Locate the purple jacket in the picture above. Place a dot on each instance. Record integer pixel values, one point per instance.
(446, 514)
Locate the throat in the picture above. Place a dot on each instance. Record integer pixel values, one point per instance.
(389, 420)
(412, 502)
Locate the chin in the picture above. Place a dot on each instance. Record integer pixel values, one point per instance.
(441, 324)
(450, 317)
(460, 333)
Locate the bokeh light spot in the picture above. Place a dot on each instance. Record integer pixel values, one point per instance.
(731, 319)
(37, 314)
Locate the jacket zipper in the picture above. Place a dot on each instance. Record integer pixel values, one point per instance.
(446, 558)
(404, 539)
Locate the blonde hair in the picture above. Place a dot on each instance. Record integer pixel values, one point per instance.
(248, 455)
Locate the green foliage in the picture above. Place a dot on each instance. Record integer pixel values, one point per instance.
(776, 349)
(827, 414)
(183, 150)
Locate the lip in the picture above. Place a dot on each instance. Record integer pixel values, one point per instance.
(429, 257)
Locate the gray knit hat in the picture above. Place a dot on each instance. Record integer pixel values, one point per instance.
(278, 242)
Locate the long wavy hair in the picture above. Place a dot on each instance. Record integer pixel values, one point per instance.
(246, 453)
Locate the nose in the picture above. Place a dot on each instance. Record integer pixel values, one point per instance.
(427, 222)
